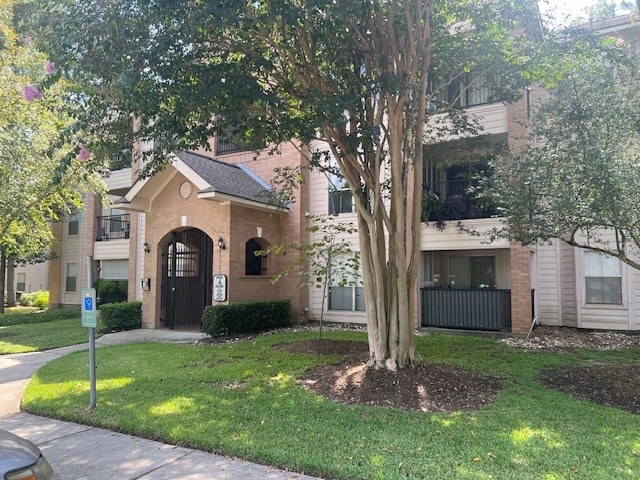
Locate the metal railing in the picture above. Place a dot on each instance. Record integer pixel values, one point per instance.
(469, 309)
(113, 227)
(452, 200)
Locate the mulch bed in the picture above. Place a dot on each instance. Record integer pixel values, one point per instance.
(435, 387)
(428, 388)
(613, 385)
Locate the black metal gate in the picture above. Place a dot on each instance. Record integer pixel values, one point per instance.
(186, 278)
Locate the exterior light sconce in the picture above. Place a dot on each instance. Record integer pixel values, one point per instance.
(146, 247)
(221, 244)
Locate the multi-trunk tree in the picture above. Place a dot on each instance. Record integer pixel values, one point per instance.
(362, 76)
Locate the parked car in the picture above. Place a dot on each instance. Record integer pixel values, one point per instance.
(20, 459)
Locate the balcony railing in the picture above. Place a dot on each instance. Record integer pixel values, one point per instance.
(469, 309)
(452, 200)
(113, 227)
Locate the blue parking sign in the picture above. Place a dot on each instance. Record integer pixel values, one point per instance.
(89, 314)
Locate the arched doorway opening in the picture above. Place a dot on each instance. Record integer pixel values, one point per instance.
(186, 278)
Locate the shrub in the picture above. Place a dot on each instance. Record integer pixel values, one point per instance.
(244, 317)
(27, 298)
(121, 316)
(38, 317)
(41, 299)
(111, 291)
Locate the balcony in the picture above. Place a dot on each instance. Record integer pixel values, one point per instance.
(452, 200)
(469, 309)
(113, 227)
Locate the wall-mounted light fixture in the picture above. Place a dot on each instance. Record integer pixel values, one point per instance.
(146, 247)
(221, 244)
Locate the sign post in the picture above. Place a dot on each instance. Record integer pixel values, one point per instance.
(89, 320)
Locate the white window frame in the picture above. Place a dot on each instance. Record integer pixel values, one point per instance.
(590, 270)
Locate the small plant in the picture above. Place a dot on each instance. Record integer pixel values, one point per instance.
(245, 317)
(121, 316)
(41, 300)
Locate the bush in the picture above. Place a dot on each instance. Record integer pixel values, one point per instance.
(111, 291)
(121, 316)
(41, 300)
(244, 317)
(27, 298)
(38, 317)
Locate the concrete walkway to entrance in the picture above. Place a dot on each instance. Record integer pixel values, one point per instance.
(79, 452)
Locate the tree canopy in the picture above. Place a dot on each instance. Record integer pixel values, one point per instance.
(578, 177)
(362, 76)
(43, 168)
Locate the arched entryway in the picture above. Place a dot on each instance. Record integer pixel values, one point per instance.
(186, 278)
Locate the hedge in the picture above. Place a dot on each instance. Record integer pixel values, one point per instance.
(38, 317)
(111, 291)
(121, 316)
(243, 317)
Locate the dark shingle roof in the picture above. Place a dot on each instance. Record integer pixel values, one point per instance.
(226, 178)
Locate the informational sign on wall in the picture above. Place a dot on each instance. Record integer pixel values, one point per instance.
(219, 288)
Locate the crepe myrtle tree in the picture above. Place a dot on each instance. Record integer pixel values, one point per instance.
(362, 76)
(44, 170)
(578, 178)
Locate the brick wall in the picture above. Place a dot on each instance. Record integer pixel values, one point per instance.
(236, 224)
(520, 288)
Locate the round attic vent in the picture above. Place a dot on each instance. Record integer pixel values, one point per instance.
(185, 190)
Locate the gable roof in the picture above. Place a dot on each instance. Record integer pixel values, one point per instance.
(215, 180)
(225, 178)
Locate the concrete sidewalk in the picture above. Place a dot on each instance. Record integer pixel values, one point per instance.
(79, 452)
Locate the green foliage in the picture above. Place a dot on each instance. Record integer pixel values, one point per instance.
(121, 316)
(38, 299)
(246, 400)
(41, 299)
(242, 317)
(38, 317)
(111, 291)
(577, 179)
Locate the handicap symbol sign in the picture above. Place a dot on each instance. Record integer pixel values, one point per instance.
(88, 303)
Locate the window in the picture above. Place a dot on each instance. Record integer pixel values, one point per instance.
(340, 196)
(254, 264)
(345, 290)
(72, 277)
(21, 282)
(472, 272)
(73, 225)
(603, 279)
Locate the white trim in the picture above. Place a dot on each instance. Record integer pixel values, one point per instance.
(222, 197)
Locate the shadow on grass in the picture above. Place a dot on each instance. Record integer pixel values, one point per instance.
(244, 400)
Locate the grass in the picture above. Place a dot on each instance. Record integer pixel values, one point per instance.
(243, 400)
(32, 332)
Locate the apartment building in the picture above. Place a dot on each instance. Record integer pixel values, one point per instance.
(185, 238)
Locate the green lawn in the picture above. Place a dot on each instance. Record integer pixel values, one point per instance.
(243, 400)
(31, 332)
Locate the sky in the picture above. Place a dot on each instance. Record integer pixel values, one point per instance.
(565, 10)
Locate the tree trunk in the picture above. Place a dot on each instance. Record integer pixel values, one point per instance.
(3, 271)
(11, 283)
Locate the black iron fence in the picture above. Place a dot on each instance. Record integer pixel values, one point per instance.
(471, 309)
(113, 227)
